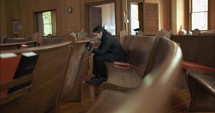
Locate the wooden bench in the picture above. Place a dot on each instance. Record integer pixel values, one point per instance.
(47, 80)
(141, 53)
(154, 91)
(202, 90)
(138, 50)
(71, 88)
(198, 54)
(17, 45)
(53, 40)
(198, 49)
(14, 40)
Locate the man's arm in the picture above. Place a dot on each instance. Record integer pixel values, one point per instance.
(105, 45)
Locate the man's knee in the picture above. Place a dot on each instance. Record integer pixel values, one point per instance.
(99, 58)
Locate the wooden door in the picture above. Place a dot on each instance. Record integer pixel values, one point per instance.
(95, 17)
(140, 10)
(150, 18)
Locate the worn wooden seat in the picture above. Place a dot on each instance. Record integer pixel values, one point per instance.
(153, 93)
(138, 50)
(48, 75)
(202, 90)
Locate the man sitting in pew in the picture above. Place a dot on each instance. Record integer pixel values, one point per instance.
(109, 50)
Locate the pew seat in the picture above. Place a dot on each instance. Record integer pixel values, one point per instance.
(202, 89)
(121, 78)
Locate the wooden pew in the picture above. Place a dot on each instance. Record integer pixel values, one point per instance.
(154, 91)
(198, 65)
(17, 45)
(47, 80)
(141, 54)
(48, 41)
(74, 72)
(202, 90)
(198, 49)
(138, 50)
(13, 40)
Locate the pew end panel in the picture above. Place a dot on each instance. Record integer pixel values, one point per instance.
(46, 83)
(71, 89)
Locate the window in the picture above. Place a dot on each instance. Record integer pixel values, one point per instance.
(134, 18)
(199, 14)
(46, 22)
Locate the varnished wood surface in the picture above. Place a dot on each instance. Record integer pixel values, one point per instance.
(179, 102)
(89, 94)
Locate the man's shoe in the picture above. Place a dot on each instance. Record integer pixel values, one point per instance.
(92, 80)
(99, 81)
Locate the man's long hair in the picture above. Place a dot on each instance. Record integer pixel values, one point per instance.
(99, 29)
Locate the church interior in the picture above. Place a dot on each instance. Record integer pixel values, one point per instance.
(46, 56)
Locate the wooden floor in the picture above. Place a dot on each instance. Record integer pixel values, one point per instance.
(88, 97)
(179, 101)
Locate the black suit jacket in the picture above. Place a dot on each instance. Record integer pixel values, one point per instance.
(110, 45)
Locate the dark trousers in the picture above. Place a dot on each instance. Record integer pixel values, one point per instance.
(98, 65)
(99, 69)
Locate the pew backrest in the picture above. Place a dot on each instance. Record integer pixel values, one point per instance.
(138, 51)
(13, 40)
(17, 45)
(197, 48)
(155, 89)
(52, 40)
